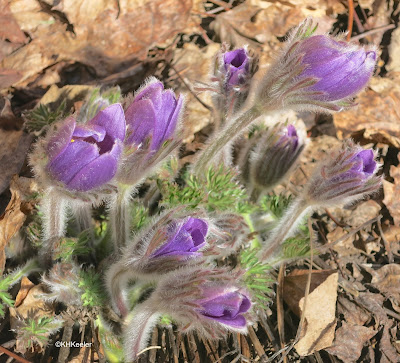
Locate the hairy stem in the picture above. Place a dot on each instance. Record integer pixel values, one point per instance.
(285, 229)
(138, 327)
(229, 132)
(120, 218)
(54, 210)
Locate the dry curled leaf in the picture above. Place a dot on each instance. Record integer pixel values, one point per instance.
(349, 341)
(320, 322)
(26, 286)
(10, 222)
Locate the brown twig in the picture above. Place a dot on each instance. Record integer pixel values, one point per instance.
(13, 355)
(279, 308)
(373, 31)
(190, 89)
(333, 218)
(348, 235)
(350, 21)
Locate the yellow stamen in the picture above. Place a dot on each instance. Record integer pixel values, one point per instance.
(72, 140)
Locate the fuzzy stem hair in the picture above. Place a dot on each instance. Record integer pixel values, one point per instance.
(285, 229)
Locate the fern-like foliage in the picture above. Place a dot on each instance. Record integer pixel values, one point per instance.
(68, 248)
(92, 289)
(43, 116)
(217, 191)
(257, 276)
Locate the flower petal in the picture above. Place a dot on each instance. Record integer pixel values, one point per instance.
(141, 118)
(112, 119)
(75, 156)
(96, 132)
(61, 138)
(98, 172)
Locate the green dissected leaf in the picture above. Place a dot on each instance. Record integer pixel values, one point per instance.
(42, 116)
(218, 191)
(257, 276)
(93, 290)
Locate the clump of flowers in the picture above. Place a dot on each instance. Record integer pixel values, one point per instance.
(192, 244)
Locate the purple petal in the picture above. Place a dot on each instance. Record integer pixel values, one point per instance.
(96, 132)
(112, 119)
(97, 172)
(141, 120)
(367, 157)
(77, 155)
(61, 138)
(174, 118)
(236, 58)
(151, 90)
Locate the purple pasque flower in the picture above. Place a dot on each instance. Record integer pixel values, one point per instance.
(85, 156)
(225, 306)
(236, 66)
(342, 69)
(348, 174)
(154, 113)
(184, 239)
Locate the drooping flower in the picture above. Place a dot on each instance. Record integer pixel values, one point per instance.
(154, 113)
(342, 69)
(85, 156)
(348, 174)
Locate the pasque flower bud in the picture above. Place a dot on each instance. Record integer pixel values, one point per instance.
(346, 175)
(316, 72)
(342, 69)
(236, 66)
(152, 124)
(271, 157)
(196, 298)
(154, 113)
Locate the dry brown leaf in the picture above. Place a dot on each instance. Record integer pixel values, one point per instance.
(349, 341)
(389, 353)
(392, 192)
(379, 120)
(363, 213)
(10, 222)
(15, 144)
(193, 65)
(107, 35)
(345, 247)
(394, 51)
(352, 313)
(26, 286)
(387, 281)
(319, 329)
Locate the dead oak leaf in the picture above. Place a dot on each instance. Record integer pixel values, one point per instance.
(349, 341)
